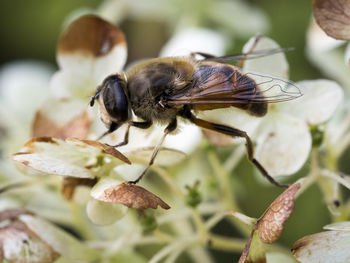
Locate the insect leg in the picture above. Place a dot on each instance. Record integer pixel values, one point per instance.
(114, 126)
(204, 55)
(171, 127)
(235, 133)
(251, 50)
(141, 125)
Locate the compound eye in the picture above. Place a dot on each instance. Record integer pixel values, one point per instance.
(115, 99)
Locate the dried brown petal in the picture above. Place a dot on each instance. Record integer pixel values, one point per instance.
(70, 183)
(77, 127)
(30, 145)
(90, 35)
(132, 196)
(72, 157)
(20, 244)
(106, 149)
(62, 119)
(12, 214)
(43, 126)
(333, 16)
(270, 225)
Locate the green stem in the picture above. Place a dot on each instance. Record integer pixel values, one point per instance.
(233, 160)
(222, 176)
(225, 243)
(80, 222)
(310, 179)
(226, 193)
(199, 224)
(168, 179)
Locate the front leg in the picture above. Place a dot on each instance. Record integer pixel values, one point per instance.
(141, 125)
(202, 54)
(113, 127)
(171, 127)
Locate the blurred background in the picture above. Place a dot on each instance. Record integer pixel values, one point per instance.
(30, 29)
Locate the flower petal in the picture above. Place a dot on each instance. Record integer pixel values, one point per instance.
(270, 225)
(318, 42)
(130, 195)
(164, 157)
(283, 144)
(24, 86)
(70, 184)
(59, 240)
(194, 40)
(73, 83)
(92, 46)
(275, 65)
(323, 52)
(331, 246)
(184, 139)
(102, 213)
(339, 226)
(333, 16)
(62, 119)
(319, 101)
(20, 244)
(72, 157)
(142, 142)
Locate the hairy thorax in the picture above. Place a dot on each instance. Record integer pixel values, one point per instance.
(152, 83)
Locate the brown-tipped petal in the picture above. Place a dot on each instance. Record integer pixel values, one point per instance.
(324, 247)
(20, 244)
(70, 183)
(132, 196)
(63, 243)
(62, 119)
(90, 35)
(165, 157)
(88, 51)
(333, 16)
(72, 157)
(106, 149)
(12, 214)
(339, 226)
(270, 225)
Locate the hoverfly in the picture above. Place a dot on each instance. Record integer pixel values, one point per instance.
(163, 89)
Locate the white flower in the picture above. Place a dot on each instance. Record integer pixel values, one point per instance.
(194, 39)
(23, 88)
(89, 50)
(28, 238)
(330, 246)
(324, 52)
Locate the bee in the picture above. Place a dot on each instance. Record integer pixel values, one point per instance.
(163, 89)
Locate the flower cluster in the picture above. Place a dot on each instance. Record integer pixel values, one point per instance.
(72, 178)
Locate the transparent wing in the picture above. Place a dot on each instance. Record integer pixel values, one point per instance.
(225, 84)
(242, 56)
